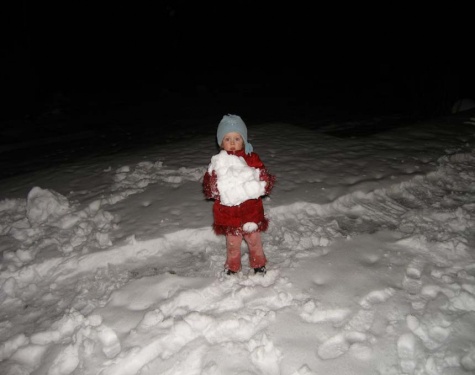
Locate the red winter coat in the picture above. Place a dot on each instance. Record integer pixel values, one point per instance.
(230, 219)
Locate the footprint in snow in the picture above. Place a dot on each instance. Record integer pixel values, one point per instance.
(265, 356)
(376, 297)
(340, 344)
(313, 313)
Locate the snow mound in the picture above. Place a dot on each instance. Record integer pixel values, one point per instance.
(47, 222)
(45, 206)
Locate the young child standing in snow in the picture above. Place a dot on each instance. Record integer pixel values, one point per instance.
(237, 179)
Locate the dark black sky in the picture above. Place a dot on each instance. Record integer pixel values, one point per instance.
(87, 47)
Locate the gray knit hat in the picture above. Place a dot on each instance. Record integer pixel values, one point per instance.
(230, 124)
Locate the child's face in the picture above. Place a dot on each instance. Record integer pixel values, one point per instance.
(232, 142)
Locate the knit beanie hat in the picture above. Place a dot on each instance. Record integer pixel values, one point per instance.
(233, 124)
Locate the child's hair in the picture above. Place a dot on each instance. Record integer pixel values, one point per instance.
(233, 124)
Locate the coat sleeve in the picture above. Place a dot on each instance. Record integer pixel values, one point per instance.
(256, 162)
(269, 178)
(210, 185)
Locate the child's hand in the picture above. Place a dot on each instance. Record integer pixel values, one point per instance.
(269, 179)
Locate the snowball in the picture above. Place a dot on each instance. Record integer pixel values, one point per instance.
(237, 182)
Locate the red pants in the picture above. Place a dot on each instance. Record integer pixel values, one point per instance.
(256, 252)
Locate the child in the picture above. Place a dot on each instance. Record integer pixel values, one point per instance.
(237, 179)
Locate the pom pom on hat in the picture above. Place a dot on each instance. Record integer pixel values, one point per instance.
(233, 124)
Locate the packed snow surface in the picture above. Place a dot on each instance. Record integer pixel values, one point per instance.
(110, 265)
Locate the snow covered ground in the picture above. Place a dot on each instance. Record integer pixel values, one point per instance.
(110, 265)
